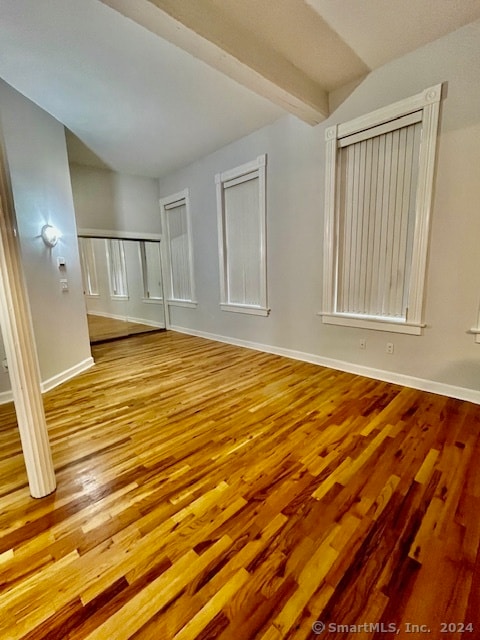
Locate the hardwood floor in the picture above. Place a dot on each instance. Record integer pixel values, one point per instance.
(101, 328)
(209, 491)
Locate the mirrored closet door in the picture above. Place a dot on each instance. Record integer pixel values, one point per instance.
(122, 280)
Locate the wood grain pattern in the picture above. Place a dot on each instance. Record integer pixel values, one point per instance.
(209, 491)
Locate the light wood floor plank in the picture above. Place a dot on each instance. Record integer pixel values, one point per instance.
(210, 491)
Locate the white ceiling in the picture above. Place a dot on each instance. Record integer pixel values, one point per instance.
(381, 30)
(139, 104)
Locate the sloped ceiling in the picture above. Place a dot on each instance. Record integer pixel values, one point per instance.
(147, 86)
(382, 30)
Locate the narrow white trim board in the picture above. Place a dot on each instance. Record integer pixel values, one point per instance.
(113, 316)
(461, 393)
(6, 396)
(103, 314)
(46, 385)
(422, 384)
(150, 323)
(55, 381)
(119, 235)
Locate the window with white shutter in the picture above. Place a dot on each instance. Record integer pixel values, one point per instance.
(242, 238)
(117, 269)
(177, 230)
(89, 267)
(151, 270)
(379, 183)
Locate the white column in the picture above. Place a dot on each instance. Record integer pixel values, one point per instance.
(20, 349)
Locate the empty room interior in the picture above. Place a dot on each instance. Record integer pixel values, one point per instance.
(240, 319)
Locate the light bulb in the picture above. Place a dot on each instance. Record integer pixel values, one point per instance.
(50, 235)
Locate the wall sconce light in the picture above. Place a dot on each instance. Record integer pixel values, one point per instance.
(50, 235)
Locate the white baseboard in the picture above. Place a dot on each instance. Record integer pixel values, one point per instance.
(47, 385)
(422, 384)
(150, 323)
(6, 396)
(103, 314)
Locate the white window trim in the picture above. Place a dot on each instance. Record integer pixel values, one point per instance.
(166, 261)
(245, 308)
(428, 102)
(248, 171)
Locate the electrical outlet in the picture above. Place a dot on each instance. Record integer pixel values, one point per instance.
(389, 348)
(64, 284)
(363, 343)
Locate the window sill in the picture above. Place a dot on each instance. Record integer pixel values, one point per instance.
(476, 333)
(243, 308)
(152, 300)
(190, 304)
(377, 325)
(114, 297)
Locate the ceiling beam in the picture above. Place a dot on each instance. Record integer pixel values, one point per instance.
(208, 34)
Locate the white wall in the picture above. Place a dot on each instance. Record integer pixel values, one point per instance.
(37, 158)
(446, 354)
(108, 200)
(4, 378)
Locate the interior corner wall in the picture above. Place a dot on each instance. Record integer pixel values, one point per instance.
(114, 201)
(37, 159)
(445, 357)
(5, 387)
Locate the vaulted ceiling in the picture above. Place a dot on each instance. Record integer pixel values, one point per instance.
(147, 86)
